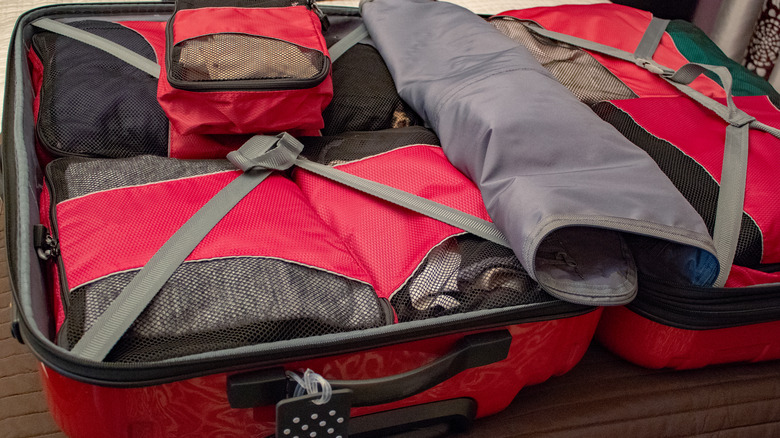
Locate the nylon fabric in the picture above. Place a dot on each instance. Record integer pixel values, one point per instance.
(122, 53)
(651, 38)
(622, 28)
(225, 303)
(731, 198)
(277, 23)
(347, 42)
(574, 68)
(697, 47)
(652, 115)
(440, 56)
(253, 90)
(276, 213)
(92, 103)
(731, 193)
(392, 256)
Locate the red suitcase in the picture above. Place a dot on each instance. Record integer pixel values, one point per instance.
(449, 369)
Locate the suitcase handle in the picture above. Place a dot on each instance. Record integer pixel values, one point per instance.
(269, 386)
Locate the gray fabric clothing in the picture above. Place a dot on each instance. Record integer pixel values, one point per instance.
(543, 161)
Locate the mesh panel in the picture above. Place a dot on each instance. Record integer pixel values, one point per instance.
(690, 178)
(464, 274)
(364, 95)
(217, 304)
(94, 104)
(577, 70)
(73, 177)
(235, 57)
(351, 146)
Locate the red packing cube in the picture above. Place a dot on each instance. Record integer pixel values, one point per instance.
(245, 70)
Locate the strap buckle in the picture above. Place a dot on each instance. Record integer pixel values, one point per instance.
(653, 67)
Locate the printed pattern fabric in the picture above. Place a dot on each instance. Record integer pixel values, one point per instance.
(764, 45)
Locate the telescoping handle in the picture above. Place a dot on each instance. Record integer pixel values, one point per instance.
(269, 386)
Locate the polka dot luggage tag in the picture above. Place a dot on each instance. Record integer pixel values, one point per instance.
(319, 413)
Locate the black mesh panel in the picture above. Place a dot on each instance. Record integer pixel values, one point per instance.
(577, 70)
(464, 274)
(690, 178)
(364, 95)
(351, 146)
(73, 177)
(218, 304)
(235, 57)
(94, 104)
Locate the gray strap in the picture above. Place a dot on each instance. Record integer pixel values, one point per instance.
(448, 215)
(98, 341)
(650, 40)
(347, 42)
(110, 47)
(598, 47)
(731, 199)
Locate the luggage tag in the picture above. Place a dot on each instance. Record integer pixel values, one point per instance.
(315, 410)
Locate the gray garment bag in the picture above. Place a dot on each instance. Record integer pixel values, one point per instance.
(573, 197)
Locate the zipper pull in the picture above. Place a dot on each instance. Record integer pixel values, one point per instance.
(45, 244)
(324, 21)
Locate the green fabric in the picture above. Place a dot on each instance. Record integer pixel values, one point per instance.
(697, 47)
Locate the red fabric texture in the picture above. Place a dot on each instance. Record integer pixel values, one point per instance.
(700, 134)
(620, 27)
(310, 221)
(189, 145)
(248, 112)
(389, 240)
(278, 23)
(121, 229)
(36, 75)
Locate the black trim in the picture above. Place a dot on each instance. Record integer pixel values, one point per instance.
(705, 308)
(131, 375)
(61, 335)
(265, 387)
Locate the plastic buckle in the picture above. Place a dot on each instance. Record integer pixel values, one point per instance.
(650, 66)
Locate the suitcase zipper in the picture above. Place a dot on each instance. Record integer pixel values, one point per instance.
(54, 254)
(694, 308)
(250, 84)
(118, 374)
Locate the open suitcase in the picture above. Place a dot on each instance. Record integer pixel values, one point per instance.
(393, 353)
(449, 369)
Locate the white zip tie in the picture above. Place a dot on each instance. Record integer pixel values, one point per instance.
(311, 383)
